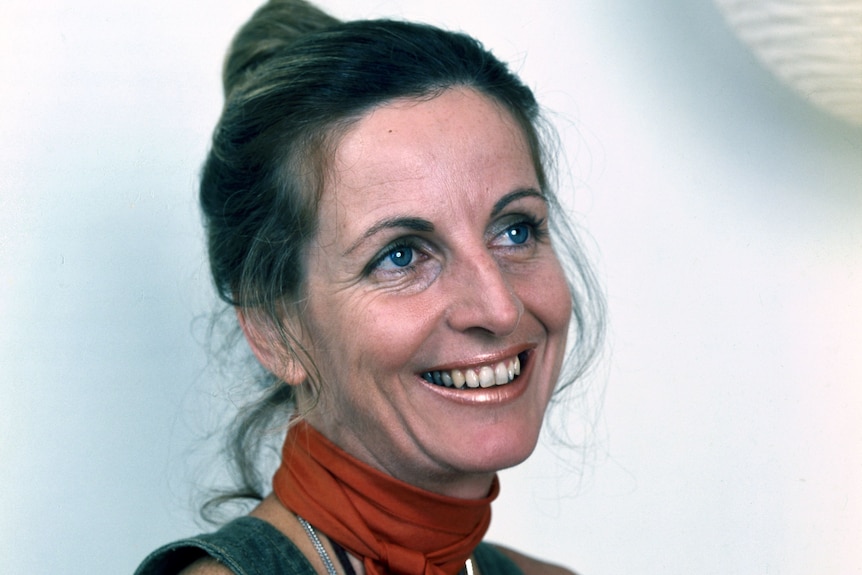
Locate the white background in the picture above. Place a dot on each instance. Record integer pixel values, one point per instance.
(724, 215)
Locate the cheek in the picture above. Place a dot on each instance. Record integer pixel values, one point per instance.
(370, 337)
(546, 294)
(395, 331)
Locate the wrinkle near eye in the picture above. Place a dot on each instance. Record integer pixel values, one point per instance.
(419, 274)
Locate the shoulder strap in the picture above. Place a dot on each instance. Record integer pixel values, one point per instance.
(491, 560)
(247, 546)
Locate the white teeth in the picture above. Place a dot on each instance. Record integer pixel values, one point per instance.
(487, 376)
(458, 378)
(501, 374)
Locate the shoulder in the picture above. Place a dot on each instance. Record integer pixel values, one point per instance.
(206, 566)
(245, 545)
(530, 565)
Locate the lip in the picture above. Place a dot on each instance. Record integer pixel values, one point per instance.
(492, 395)
(482, 360)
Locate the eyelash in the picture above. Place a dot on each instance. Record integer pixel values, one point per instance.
(537, 233)
(401, 244)
(536, 226)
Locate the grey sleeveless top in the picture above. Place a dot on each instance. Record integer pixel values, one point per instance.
(251, 546)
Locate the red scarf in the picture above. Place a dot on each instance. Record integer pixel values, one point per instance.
(396, 527)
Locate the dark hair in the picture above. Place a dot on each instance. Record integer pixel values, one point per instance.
(294, 80)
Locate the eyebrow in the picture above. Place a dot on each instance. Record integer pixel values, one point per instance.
(423, 225)
(501, 204)
(403, 222)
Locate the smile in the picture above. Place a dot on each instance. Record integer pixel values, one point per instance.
(493, 374)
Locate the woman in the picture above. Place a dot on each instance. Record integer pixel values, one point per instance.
(379, 215)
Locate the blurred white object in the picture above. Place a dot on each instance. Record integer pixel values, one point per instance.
(815, 46)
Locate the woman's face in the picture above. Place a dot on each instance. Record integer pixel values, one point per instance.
(432, 276)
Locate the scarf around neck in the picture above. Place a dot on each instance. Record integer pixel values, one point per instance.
(392, 525)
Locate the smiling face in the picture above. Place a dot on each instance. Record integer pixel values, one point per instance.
(436, 308)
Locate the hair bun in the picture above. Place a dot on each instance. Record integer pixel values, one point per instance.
(276, 24)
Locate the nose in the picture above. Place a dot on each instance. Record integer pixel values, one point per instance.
(482, 297)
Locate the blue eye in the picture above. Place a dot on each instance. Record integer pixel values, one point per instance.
(397, 259)
(519, 233)
(400, 257)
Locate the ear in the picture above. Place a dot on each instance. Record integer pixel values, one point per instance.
(269, 348)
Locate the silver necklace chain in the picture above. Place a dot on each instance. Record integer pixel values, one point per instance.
(318, 546)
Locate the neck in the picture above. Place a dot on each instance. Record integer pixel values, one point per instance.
(442, 481)
(394, 526)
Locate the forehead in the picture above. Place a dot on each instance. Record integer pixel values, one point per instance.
(446, 152)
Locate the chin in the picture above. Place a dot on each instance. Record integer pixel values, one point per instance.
(500, 451)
